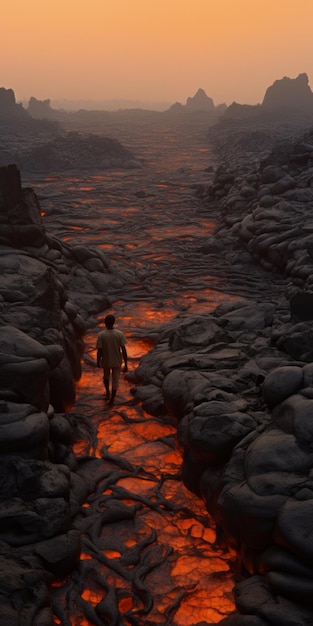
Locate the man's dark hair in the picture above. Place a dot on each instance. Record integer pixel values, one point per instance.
(109, 321)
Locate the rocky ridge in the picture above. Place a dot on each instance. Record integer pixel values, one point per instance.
(40, 144)
(291, 93)
(48, 291)
(239, 382)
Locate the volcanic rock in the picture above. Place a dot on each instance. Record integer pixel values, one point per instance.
(293, 93)
(41, 343)
(200, 102)
(8, 106)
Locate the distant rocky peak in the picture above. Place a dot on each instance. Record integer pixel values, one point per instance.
(40, 108)
(292, 93)
(7, 100)
(8, 106)
(200, 102)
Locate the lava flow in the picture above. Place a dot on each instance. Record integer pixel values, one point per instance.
(149, 555)
(149, 552)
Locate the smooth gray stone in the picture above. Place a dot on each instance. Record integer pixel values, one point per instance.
(281, 383)
(283, 184)
(28, 380)
(151, 398)
(272, 173)
(60, 429)
(268, 200)
(299, 195)
(199, 331)
(294, 415)
(213, 437)
(250, 316)
(276, 451)
(11, 412)
(272, 483)
(14, 342)
(176, 392)
(297, 342)
(29, 433)
(246, 517)
(195, 361)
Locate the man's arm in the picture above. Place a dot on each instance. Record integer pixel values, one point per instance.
(99, 357)
(124, 355)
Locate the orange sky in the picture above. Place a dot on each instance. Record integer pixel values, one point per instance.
(153, 50)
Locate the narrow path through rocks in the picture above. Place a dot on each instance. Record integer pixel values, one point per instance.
(149, 553)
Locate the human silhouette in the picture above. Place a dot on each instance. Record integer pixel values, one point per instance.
(111, 352)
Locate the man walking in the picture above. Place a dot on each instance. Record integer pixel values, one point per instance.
(111, 352)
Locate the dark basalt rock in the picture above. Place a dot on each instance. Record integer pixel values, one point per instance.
(255, 472)
(75, 151)
(200, 102)
(41, 343)
(258, 488)
(35, 140)
(8, 106)
(293, 93)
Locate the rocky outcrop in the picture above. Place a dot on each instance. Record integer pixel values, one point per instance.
(9, 107)
(287, 106)
(34, 140)
(75, 151)
(33, 297)
(238, 382)
(243, 404)
(265, 209)
(289, 93)
(200, 102)
(41, 344)
(40, 109)
(19, 130)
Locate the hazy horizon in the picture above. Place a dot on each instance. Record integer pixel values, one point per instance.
(107, 105)
(153, 51)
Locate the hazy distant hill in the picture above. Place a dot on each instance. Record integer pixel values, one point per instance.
(285, 98)
(107, 105)
(41, 144)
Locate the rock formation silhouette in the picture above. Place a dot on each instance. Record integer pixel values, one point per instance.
(200, 102)
(40, 109)
(291, 93)
(8, 106)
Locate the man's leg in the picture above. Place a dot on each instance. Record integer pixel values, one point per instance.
(115, 378)
(106, 381)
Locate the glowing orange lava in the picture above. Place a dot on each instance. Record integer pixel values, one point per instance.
(180, 565)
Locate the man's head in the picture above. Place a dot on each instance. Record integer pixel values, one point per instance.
(109, 321)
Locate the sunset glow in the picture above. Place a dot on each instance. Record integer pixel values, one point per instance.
(155, 50)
